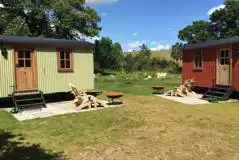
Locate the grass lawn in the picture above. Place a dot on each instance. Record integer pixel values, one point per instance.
(147, 127)
(137, 87)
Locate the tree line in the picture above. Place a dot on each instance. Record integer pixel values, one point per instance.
(222, 23)
(109, 55)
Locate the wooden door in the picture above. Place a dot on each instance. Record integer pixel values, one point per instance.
(25, 70)
(224, 67)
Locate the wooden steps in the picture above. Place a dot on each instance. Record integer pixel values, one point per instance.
(218, 92)
(28, 99)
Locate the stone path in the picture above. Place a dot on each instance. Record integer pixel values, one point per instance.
(191, 100)
(52, 109)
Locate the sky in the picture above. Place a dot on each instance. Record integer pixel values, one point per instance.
(153, 22)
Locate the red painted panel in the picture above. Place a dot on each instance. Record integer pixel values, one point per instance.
(187, 65)
(205, 77)
(235, 67)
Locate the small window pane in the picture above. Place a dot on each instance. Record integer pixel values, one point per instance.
(27, 54)
(62, 63)
(20, 54)
(222, 61)
(67, 55)
(20, 63)
(68, 64)
(28, 63)
(226, 53)
(227, 61)
(62, 55)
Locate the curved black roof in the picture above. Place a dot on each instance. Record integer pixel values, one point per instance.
(230, 40)
(44, 41)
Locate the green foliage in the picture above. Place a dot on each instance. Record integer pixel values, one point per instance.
(107, 55)
(177, 51)
(129, 63)
(49, 18)
(142, 59)
(199, 31)
(223, 23)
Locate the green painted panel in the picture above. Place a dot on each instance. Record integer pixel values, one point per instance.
(50, 80)
(6, 73)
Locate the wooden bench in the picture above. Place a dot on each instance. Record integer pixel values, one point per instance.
(112, 96)
(158, 89)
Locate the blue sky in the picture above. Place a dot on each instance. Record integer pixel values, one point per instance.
(155, 22)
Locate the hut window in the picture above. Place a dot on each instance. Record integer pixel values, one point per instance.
(197, 62)
(65, 61)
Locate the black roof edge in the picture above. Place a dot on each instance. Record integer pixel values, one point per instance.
(230, 40)
(4, 39)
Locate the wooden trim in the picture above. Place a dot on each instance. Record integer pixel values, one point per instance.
(35, 70)
(63, 70)
(14, 70)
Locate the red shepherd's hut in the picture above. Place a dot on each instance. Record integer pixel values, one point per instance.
(213, 63)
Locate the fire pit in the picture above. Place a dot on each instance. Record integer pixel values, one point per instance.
(112, 96)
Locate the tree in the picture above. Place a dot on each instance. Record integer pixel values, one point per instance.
(107, 55)
(199, 31)
(49, 18)
(117, 56)
(225, 22)
(129, 63)
(177, 51)
(143, 57)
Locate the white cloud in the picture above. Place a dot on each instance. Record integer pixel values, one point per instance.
(104, 14)
(1, 5)
(135, 34)
(101, 1)
(136, 44)
(210, 11)
(130, 50)
(153, 43)
(161, 47)
(133, 45)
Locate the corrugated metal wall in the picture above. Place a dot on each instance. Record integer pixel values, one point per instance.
(6, 73)
(50, 80)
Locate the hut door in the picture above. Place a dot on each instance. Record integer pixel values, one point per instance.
(224, 67)
(25, 70)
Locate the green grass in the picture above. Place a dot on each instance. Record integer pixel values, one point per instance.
(137, 87)
(147, 127)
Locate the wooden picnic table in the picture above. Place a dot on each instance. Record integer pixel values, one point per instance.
(158, 89)
(113, 96)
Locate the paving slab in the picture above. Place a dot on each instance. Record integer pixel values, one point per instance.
(191, 100)
(53, 109)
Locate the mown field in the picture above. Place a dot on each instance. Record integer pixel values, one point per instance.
(146, 127)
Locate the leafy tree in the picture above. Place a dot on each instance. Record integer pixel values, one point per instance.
(117, 56)
(177, 51)
(225, 22)
(144, 50)
(49, 18)
(129, 63)
(143, 57)
(107, 55)
(199, 31)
